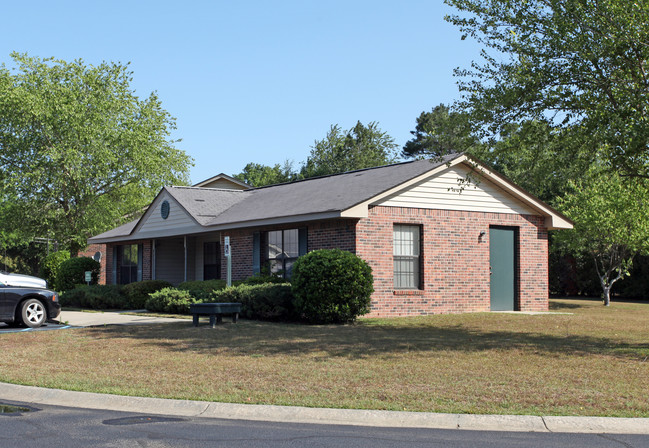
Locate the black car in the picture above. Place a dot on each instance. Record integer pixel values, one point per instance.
(27, 305)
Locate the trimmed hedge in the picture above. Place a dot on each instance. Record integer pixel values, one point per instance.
(170, 300)
(260, 279)
(331, 286)
(137, 293)
(201, 290)
(51, 264)
(72, 272)
(266, 301)
(97, 297)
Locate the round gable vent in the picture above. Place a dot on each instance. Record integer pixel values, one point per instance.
(164, 209)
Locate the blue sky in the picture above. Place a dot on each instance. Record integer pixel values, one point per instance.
(254, 81)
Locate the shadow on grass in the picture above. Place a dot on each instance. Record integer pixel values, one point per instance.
(251, 338)
(555, 306)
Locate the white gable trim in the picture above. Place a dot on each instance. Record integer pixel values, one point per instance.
(553, 219)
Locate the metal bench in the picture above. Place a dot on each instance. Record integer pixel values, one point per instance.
(215, 311)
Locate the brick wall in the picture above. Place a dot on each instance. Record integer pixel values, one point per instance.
(320, 235)
(333, 234)
(241, 242)
(454, 259)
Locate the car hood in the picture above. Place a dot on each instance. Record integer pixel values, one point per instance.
(22, 280)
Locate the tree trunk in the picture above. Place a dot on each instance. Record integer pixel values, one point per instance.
(606, 295)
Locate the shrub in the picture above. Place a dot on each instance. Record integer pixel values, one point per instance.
(170, 300)
(50, 265)
(97, 297)
(259, 279)
(72, 272)
(201, 290)
(267, 301)
(331, 286)
(137, 293)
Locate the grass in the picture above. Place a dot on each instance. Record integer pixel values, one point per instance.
(592, 362)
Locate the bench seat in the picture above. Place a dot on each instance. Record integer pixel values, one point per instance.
(215, 311)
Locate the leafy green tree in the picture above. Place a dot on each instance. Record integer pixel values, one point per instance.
(535, 156)
(611, 226)
(79, 151)
(580, 66)
(18, 252)
(258, 175)
(441, 132)
(531, 153)
(359, 147)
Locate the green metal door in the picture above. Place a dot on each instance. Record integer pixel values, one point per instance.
(502, 254)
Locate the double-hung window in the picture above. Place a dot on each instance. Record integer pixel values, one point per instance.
(211, 261)
(128, 263)
(283, 250)
(406, 255)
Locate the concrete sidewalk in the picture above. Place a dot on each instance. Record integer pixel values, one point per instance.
(92, 319)
(294, 414)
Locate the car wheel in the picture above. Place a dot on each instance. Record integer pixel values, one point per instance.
(33, 313)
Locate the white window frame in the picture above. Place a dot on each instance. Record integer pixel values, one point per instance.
(406, 255)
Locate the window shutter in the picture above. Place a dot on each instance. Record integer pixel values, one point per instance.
(302, 245)
(115, 253)
(256, 253)
(140, 250)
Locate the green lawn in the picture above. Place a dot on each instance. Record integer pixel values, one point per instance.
(592, 362)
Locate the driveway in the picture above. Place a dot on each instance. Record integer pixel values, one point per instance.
(93, 319)
(77, 319)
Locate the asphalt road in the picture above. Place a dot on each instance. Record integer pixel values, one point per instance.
(65, 427)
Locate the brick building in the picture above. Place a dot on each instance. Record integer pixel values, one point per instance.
(441, 237)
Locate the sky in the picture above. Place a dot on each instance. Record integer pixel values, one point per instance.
(259, 81)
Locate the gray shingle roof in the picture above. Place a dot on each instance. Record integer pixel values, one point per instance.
(123, 230)
(334, 193)
(205, 204)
